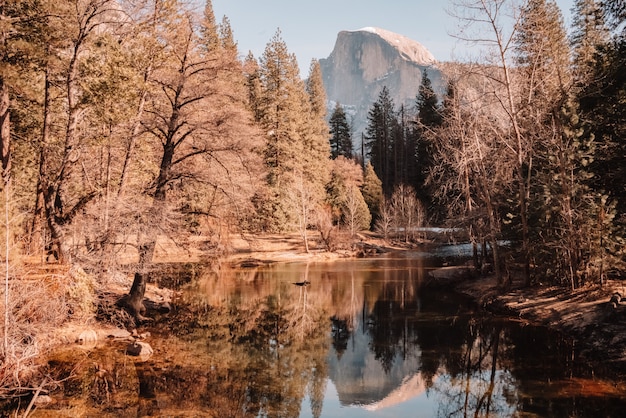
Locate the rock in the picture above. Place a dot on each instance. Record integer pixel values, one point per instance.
(139, 349)
(615, 299)
(118, 333)
(164, 308)
(87, 338)
(42, 400)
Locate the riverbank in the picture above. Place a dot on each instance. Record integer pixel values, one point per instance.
(586, 314)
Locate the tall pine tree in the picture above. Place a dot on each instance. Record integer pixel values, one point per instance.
(380, 133)
(340, 134)
(427, 121)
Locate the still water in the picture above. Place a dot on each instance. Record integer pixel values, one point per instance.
(364, 338)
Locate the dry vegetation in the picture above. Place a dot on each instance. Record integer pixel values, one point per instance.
(51, 305)
(39, 302)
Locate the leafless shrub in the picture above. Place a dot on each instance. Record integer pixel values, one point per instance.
(36, 307)
(324, 225)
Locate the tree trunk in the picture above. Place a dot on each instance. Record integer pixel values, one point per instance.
(134, 300)
(37, 241)
(5, 131)
(147, 245)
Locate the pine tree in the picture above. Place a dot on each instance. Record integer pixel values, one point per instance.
(316, 147)
(427, 104)
(616, 11)
(543, 53)
(209, 29)
(564, 149)
(252, 74)
(382, 125)
(427, 121)
(372, 191)
(590, 33)
(340, 134)
(604, 114)
(282, 107)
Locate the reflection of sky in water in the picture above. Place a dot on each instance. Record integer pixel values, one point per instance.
(427, 404)
(420, 406)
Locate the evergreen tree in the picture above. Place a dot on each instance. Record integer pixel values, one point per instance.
(316, 146)
(543, 53)
(380, 134)
(616, 11)
(602, 108)
(563, 151)
(427, 121)
(227, 38)
(590, 33)
(283, 109)
(427, 104)
(340, 134)
(209, 29)
(252, 74)
(372, 190)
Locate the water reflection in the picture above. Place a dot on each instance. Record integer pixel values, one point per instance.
(363, 339)
(366, 331)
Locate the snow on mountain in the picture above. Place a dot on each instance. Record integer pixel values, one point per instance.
(408, 48)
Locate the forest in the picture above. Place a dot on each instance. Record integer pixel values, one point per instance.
(124, 123)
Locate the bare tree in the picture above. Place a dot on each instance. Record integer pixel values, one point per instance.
(356, 213)
(472, 176)
(486, 22)
(385, 219)
(304, 206)
(326, 228)
(408, 212)
(203, 132)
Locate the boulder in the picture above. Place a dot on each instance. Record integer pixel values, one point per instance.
(139, 349)
(87, 338)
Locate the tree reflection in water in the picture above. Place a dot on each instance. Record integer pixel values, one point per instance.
(248, 343)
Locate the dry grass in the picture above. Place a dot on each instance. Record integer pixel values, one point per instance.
(41, 299)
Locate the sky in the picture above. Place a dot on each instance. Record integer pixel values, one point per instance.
(309, 28)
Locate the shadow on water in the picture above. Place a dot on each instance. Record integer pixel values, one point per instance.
(364, 338)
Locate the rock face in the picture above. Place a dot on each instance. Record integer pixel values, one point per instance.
(365, 60)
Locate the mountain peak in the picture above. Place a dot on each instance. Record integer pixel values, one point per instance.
(364, 61)
(408, 48)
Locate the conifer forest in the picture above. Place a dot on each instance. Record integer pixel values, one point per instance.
(124, 123)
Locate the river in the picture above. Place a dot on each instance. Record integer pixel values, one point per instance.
(348, 338)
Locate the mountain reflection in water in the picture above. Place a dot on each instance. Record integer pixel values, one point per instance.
(367, 331)
(363, 339)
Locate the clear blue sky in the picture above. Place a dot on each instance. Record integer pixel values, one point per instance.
(309, 28)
